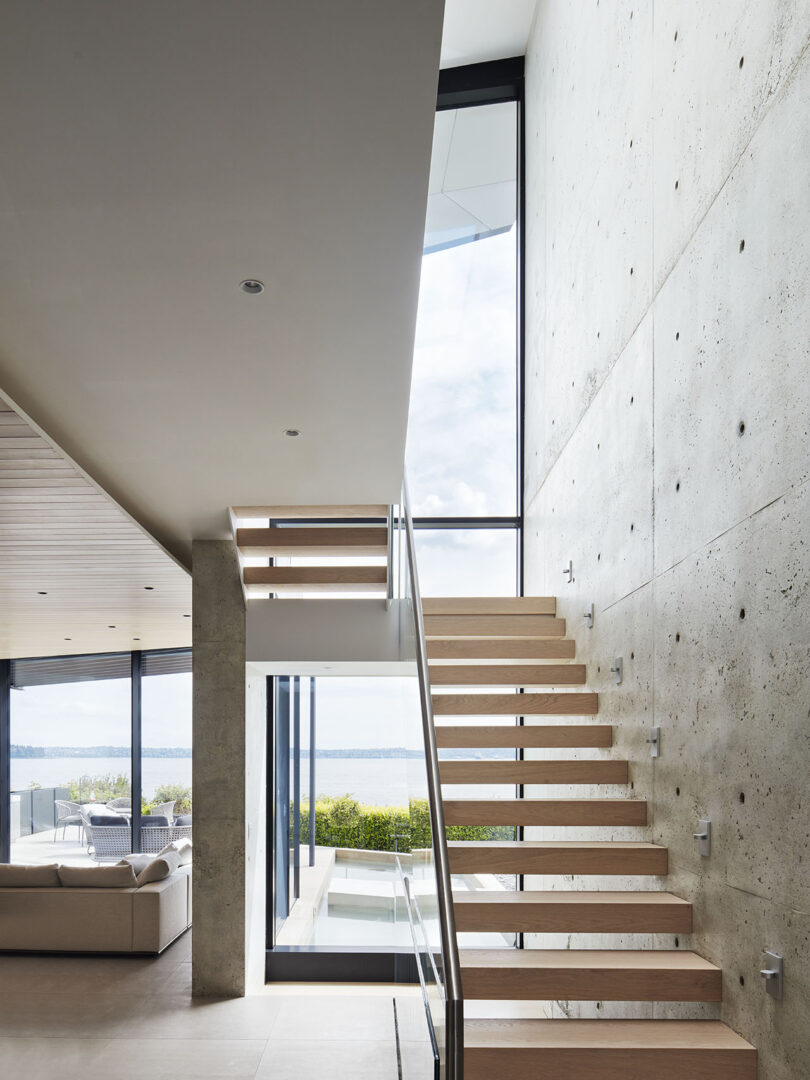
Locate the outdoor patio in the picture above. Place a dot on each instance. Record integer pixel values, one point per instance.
(49, 846)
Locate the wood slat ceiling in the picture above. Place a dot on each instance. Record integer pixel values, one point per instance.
(76, 573)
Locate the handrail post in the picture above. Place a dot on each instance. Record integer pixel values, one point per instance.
(454, 1000)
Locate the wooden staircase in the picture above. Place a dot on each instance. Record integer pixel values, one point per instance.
(495, 644)
(344, 539)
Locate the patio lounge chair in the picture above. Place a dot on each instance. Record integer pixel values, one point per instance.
(113, 842)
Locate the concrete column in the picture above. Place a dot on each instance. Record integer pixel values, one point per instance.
(218, 951)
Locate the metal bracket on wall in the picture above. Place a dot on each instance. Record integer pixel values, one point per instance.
(774, 975)
(589, 617)
(655, 742)
(618, 670)
(704, 837)
(569, 571)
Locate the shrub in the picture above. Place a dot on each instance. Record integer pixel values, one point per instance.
(179, 792)
(343, 822)
(98, 789)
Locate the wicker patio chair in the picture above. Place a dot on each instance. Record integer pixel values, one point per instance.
(164, 809)
(67, 813)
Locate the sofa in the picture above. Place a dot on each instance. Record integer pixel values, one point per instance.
(143, 919)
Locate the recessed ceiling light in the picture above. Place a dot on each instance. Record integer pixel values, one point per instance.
(68, 639)
(42, 592)
(292, 432)
(149, 588)
(136, 639)
(111, 627)
(186, 616)
(252, 286)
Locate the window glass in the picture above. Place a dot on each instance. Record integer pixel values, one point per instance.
(462, 434)
(70, 761)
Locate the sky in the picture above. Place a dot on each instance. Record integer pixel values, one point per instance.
(98, 713)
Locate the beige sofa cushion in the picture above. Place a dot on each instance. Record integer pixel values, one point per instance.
(138, 862)
(182, 847)
(120, 876)
(159, 868)
(29, 877)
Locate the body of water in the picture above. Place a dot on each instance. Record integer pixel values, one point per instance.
(379, 781)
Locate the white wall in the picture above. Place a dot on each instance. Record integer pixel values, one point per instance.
(660, 137)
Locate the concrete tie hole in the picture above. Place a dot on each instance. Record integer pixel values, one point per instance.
(742, 612)
(742, 796)
(741, 428)
(678, 486)
(677, 335)
(742, 61)
(742, 246)
(677, 792)
(677, 637)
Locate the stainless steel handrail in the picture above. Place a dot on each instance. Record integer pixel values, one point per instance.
(454, 1000)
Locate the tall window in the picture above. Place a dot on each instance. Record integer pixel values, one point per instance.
(79, 743)
(464, 429)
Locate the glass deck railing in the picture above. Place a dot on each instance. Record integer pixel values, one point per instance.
(431, 1036)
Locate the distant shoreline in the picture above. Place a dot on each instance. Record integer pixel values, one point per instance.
(19, 752)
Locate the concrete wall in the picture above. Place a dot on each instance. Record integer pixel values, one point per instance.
(668, 405)
(218, 768)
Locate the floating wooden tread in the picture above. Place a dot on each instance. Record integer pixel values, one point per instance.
(533, 772)
(573, 704)
(485, 648)
(533, 626)
(589, 975)
(515, 736)
(314, 540)
(296, 513)
(561, 912)
(585, 812)
(489, 605)
(317, 578)
(507, 675)
(556, 857)
(606, 1050)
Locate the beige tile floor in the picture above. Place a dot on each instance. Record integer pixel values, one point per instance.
(100, 1018)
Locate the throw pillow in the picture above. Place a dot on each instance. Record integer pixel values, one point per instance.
(157, 821)
(137, 862)
(183, 849)
(29, 877)
(119, 876)
(183, 819)
(159, 868)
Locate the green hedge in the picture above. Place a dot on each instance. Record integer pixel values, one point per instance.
(345, 823)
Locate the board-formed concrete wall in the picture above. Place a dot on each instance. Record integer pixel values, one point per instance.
(668, 446)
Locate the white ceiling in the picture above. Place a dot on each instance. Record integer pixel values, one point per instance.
(478, 30)
(154, 155)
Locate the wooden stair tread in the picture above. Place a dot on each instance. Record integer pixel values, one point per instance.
(534, 626)
(585, 812)
(489, 605)
(622, 1034)
(515, 736)
(589, 975)
(533, 772)
(572, 912)
(606, 1050)
(316, 578)
(507, 675)
(571, 704)
(585, 959)
(557, 857)
(555, 897)
(313, 540)
(485, 648)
